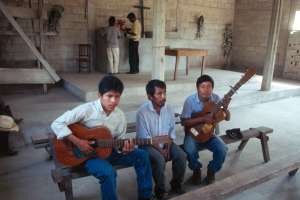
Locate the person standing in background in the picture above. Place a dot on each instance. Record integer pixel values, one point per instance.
(112, 35)
(134, 35)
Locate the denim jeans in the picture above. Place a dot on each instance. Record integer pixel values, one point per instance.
(215, 145)
(106, 174)
(158, 165)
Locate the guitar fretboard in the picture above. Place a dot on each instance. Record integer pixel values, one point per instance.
(118, 143)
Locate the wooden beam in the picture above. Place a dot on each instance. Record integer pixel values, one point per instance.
(29, 43)
(24, 76)
(244, 180)
(24, 13)
(13, 33)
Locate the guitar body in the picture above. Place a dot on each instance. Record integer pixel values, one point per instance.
(68, 154)
(203, 132)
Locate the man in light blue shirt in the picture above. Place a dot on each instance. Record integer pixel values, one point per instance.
(195, 104)
(155, 118)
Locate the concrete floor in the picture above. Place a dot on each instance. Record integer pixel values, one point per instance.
(27, 175)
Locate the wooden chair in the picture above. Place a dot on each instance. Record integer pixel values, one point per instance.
(84, 58)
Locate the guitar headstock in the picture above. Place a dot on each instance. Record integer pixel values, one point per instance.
(248, 74)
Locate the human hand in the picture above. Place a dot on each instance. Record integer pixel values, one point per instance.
(226, 101)
(128, 146)
(85, 146)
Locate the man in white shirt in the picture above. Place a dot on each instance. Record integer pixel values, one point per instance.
(112, 35)
(104, 112)
(155, 118)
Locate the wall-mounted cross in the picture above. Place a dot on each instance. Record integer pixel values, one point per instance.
(142, 8)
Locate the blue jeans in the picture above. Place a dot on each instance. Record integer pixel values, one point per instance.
(158, 165)
(106, 174)
(215, 145)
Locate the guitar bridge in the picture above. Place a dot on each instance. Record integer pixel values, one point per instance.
(194, 132)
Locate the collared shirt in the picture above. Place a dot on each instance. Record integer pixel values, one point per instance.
(136, 29)
(91, 115)
(193, 104)
(112, 34)
(149, 123)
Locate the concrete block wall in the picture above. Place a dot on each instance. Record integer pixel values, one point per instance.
(181, 25)
(250, 35)
(292, 64)
(61, 50)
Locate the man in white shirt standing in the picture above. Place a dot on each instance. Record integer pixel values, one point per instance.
(104, 112)
(112, 35)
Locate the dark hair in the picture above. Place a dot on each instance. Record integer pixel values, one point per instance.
(110, 83)
(131, 15)
(204, 78)
(150, 87)
(111, 20)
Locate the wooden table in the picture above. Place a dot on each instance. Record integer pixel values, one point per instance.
(186, 52)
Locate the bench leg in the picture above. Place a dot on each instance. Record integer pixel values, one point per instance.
(68, 189)
(242, 145)
(293, 172)
(265, 147)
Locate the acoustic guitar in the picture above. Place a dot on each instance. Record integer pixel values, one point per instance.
(101, 140)
(204, 131)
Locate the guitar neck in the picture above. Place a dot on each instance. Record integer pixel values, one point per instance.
(119, 143)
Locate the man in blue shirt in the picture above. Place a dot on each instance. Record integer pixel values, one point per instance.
(194, 104)
(155, 118)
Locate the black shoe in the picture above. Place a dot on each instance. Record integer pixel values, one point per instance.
(210, 177)
(11, 152)
(162, 195)
(177, 190)
(234, 133)
(196, 177)
(150, 198)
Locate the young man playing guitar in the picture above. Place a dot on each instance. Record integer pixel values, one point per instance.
(104, 112)
(155, 118)
(196, 104)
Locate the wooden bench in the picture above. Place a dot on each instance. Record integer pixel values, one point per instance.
(245, 180)
(63, 175)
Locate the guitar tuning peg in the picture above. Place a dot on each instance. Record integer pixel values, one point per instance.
(232, 89)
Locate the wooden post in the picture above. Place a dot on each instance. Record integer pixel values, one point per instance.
(41, 31)
(91, 23)
(142, 8)
(272, 45)
(159, 21)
